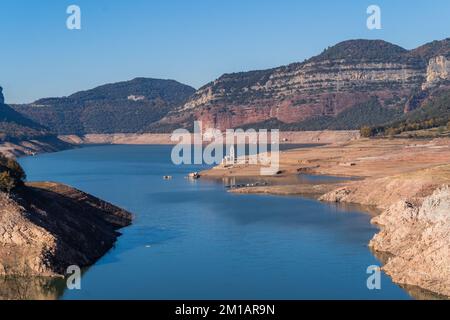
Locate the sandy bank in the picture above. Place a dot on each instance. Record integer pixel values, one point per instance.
(303, 137)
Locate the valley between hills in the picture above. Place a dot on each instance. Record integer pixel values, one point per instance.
(382, 111)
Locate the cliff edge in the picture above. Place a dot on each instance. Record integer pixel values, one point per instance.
(417, 237)
(47, 227)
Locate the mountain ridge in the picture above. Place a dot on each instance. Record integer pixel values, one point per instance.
(126, 106)
(319, 93)
(346, 75)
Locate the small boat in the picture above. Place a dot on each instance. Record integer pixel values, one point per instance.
(194, 175)
(167, 177)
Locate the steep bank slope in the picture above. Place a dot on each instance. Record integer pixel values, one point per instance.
(415, 224)
(46, 227)
(417, 237)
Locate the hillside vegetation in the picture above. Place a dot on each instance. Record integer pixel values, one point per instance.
(370, 84)
(14, 126)
(352, 84)
(126, 107)
(433, 113)
(11, 174)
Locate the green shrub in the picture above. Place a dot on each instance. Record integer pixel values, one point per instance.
(366, 132)
(7, 183)
(11, 174)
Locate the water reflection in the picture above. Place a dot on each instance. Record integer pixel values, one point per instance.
(30, 288)
(414, 291)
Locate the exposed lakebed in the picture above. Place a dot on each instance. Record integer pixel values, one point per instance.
(194, 240)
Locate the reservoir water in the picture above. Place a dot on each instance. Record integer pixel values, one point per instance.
(194, 240)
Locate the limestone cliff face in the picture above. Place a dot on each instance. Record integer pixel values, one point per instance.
(438, 71)
(417, 237)
(296, 93)
(344, 76)
(312, 80)
(413, 243)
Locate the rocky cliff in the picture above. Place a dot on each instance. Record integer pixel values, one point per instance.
(343, 77)
(46, 227)
(417, 237)
(438, 71)
(413, 243)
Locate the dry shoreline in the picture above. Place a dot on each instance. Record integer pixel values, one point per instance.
(63, 142)
(301, 137)
(405, 179)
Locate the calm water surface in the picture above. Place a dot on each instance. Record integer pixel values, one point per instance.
(193, 240)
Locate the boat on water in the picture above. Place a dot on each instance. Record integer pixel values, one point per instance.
(194, 175)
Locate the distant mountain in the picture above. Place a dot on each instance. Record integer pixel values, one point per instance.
(123, 107)
(363, 50)
(14, 126)
(433, 49)
(352, 84)
(20, 135)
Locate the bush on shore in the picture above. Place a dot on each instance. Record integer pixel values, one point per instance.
(11, 174)
(366, 132)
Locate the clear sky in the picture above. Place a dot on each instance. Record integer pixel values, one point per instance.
(192, 41)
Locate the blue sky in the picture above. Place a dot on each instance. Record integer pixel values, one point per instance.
(192, 41)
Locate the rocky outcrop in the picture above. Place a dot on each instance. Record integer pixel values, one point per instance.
(414, 240)
(46, 227)
(438, 71)
(417, 237)
(297, 93)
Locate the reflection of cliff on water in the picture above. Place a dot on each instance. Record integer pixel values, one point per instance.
(414, 291)
(34, 288)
